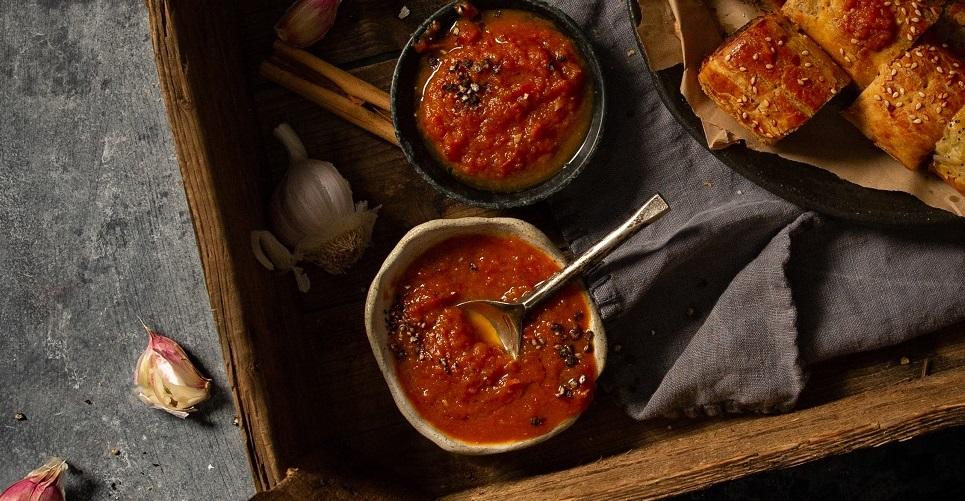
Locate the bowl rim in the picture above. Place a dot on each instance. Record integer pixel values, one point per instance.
(381, 292)
(569, 172)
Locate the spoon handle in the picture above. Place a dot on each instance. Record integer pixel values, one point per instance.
(650, 212)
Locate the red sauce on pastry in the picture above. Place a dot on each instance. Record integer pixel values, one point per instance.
(870, 22)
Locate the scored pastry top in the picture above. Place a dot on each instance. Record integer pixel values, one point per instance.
(905, 110)
(770, 77)
(862, 35)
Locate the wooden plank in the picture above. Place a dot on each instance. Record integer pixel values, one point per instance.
(710, 454)
(366, 29)
(195, 45)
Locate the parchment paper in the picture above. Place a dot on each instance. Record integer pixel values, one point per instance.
(686, 31)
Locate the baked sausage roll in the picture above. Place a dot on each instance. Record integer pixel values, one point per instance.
(949, 161)
(905, 110)
(770, 78)
(862, 35)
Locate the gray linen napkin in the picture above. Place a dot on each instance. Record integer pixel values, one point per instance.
(722, 304)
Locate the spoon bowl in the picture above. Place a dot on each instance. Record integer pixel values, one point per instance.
(498, 322)
(501, 322)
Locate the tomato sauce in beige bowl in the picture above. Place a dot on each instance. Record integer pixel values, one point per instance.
(456, 387)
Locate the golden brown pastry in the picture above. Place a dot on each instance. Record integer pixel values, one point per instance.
(905, 110)
(862, 35)
(770, 78)
(949, 161)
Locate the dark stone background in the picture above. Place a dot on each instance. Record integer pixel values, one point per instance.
(96, 233)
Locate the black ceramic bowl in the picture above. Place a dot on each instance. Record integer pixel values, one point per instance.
(438, 175)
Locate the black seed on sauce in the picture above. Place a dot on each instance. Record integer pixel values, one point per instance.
(567, 353)
(536, 421)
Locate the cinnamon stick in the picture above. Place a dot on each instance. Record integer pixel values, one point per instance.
(350, 84)
(332, 101)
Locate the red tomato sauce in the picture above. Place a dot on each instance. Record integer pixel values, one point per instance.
(473, 390)
(504, 100)
(870, 22)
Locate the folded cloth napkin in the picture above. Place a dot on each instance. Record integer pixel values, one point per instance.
(723, 303)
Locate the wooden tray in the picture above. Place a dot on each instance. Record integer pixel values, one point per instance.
(305, 385)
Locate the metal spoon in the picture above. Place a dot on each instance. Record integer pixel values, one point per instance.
(503, 320)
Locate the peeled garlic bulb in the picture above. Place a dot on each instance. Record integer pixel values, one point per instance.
(42, 484)
(166, 379)
(313, 213)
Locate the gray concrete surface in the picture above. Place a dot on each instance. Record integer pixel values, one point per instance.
(96, 232)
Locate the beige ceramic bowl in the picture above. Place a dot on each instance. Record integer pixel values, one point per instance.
(382, 293)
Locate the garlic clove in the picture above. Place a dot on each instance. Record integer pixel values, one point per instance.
(42, 484)
(306, 22)
(167, 380)
(271, 253)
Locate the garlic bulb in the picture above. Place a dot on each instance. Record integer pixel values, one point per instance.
(166, 379)
(306, 22)
(42, 484)
(313, 213)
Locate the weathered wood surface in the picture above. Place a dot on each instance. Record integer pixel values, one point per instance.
(317, 398)
(95, 232)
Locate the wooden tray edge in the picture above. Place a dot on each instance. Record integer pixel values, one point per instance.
(198, 27)
(642, 473)
(754, 445)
